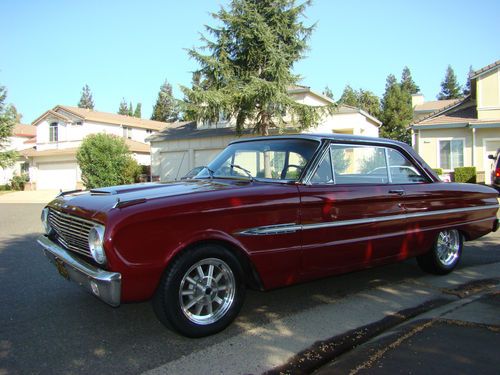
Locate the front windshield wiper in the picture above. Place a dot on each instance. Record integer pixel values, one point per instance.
(210, 172)
(247, 172)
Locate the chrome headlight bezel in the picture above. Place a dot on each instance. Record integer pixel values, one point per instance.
(96, 244)
(44, 217)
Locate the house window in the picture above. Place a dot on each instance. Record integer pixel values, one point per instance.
(149, 131)
(53, 132)
(451, 153)
(127, 132)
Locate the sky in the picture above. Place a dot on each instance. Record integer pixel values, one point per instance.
(126, 49)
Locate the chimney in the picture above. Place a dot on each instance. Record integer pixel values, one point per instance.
(417, 99)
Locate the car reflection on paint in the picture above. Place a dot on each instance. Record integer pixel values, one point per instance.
(265, 213)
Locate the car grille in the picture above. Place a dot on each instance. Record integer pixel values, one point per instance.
(72, 231)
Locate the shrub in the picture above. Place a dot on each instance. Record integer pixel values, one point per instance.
(17, 181)
(465, 174)
(438, 171)
(4, 187)
(105, 160)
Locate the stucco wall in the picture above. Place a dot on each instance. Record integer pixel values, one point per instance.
(488, 95)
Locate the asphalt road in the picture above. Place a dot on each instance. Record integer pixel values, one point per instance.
(51, 326)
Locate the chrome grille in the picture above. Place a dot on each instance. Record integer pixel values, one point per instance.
(72, 231)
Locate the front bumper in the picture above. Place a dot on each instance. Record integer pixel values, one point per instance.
(103, 284)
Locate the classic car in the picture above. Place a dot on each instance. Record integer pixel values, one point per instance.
(495, 170)
(267, 212)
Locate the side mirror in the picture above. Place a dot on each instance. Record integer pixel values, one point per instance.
(492, 157)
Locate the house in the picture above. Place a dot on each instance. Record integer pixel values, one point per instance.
(183, 146)
(464, 132)
(422, 109)
(59, 133)
(21, 139)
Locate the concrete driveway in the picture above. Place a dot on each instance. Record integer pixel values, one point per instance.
(37, 196)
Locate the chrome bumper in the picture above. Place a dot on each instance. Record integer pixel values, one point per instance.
(103, 284)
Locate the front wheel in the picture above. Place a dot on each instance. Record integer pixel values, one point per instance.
(444, 255)
(202, 292)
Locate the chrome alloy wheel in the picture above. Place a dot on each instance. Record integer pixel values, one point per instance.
(207, 291)
(448, 246)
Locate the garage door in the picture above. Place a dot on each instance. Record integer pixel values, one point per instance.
(203, 157)
(490, 148)
(57, 176)
(173, 165)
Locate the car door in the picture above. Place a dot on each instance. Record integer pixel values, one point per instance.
(351, 213)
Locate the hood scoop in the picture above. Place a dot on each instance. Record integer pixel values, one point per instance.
(122, 189)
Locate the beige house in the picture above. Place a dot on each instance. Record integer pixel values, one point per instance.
(182, 146)
(463, 132)
(22, 138)
(59, 133)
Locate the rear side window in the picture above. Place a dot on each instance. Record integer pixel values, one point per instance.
(402, 170)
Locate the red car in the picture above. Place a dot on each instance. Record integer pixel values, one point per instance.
(267, 212)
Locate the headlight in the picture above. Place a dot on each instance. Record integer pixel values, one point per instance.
(96, 239)
(45, 220)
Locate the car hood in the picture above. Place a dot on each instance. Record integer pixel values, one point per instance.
(94, 204)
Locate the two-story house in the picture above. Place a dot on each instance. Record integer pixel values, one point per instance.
(19, 140)
(466, 131)
(180, 147)
(59, 133)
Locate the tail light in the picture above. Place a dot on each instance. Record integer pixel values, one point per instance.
(497, 172)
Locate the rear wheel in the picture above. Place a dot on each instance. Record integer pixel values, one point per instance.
(445, 253)
(202, 292)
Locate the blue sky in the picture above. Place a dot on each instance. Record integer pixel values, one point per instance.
(50, 49)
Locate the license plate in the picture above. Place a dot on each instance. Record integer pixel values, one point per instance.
(60, 268)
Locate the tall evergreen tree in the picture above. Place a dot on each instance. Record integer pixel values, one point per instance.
(397, 112)
(450, 88)
(407, 82)
(362, 99)
(86, 100)
(248, 70)
(166, 108)
(123, 109)
(328, 92)
(130, 111)
(137, 112)
(7, 122)
(349, 96)
(467, 88)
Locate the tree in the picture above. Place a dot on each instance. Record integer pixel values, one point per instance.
(248, 70)
(137, 112)
(362, 99)
(105, 160)
(130, 111)
(467, 88)
(86, 100)
(123, 109)
(450, 88)
(407, 82)
(328, 92)
(166, 108)
(397, 111)
(7, 123)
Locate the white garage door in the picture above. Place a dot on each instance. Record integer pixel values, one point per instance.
(58, 176)
(490, 148)
(173, 165)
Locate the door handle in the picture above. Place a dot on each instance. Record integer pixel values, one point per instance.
(397, 191)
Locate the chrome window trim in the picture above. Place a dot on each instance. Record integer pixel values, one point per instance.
(294, 227)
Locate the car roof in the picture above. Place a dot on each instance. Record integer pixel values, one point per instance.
(321, 137)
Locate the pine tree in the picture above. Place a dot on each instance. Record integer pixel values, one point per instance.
(130, 111)
(349, 96)
(450, 88)
(397, 112)
(248, 70)
(86, 100)
(328, 92)
(407, 82)
(165, 108)
(123, 109)
(137, 112)
(467, 88)
(362, 99)
(7, 122)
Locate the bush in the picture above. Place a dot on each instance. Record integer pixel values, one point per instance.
(17, 182)
(4, 187)
(106, 161)
(465, 174)
(438, 171)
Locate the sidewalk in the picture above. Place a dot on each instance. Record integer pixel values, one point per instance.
(36, 196)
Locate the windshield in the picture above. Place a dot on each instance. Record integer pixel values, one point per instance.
(275, 159)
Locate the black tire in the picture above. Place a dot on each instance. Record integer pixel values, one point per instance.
(445, 253)
(182, 284)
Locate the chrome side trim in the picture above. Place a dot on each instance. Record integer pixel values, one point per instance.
(293, 227)
(108, 283)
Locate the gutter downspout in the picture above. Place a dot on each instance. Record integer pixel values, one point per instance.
(473, 146)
